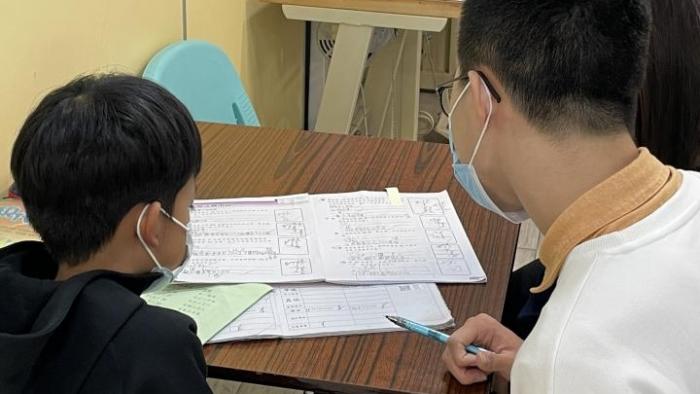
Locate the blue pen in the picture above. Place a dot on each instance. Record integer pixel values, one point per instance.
(429, 332)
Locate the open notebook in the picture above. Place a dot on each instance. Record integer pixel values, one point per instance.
(351, 238)
(314, 310)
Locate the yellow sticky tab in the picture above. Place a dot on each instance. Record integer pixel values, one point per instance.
(393, 194)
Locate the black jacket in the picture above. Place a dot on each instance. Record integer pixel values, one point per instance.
(89, 334)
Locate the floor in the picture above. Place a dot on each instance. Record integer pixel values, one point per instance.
(529, 240)
(227, 387)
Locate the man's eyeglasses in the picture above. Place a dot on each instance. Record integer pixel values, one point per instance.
(444, 91)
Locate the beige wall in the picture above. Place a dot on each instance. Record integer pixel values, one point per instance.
(45, 43)
(273, 60)
(267, 48)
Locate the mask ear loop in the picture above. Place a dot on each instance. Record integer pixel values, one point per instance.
(188, 233)
(459, 98)
(174, 219)
(138, 234)
(486, 125)
(449, 117)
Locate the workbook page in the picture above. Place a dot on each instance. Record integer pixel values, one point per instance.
(264, 239)
(368, 238)
(322, 309)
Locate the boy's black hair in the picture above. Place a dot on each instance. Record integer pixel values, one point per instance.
(563, 62)
(95, 148)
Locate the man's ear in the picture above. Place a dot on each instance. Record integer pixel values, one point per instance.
(151, 225)
(480, 95)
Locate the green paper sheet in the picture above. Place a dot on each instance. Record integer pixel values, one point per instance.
(212, 307)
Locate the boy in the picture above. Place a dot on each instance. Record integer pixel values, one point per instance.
(540, 128)
(105, 166)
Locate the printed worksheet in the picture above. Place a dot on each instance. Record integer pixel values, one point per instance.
(368, 239)
(323, 309)
(265, 239)
(349, 238)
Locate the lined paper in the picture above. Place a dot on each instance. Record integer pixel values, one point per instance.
(326, 309)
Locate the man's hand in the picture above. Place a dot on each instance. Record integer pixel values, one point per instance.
(487, 332)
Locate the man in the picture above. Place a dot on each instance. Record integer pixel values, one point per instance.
(540, 127)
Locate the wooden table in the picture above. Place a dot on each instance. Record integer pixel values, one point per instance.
(356, 21)
(243, 161)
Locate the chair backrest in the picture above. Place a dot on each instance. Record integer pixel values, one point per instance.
(203, 78)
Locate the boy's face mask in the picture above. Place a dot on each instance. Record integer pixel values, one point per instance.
(466, 173)
(167, 275)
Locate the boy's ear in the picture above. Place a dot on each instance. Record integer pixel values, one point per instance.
(151, 225)
(480, 96)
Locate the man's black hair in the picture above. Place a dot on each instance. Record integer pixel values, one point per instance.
(95, 148)
(564, 63)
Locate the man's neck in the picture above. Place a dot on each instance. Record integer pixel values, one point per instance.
(550, 177)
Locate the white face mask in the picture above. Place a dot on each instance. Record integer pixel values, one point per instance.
(167, 275)
(466, 173)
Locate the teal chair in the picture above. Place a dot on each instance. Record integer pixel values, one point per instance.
(203, 78)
